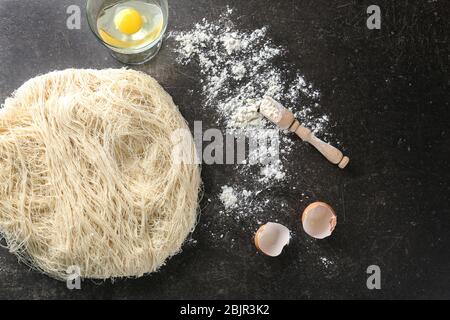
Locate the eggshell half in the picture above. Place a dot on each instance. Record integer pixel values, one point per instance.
(271, 239)
(319, 220)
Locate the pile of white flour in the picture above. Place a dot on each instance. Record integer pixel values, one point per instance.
(237, 69)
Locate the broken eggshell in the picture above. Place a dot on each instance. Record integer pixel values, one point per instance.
(271, 238)
(319, 220)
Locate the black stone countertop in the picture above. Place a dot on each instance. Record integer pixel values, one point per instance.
(386, 92)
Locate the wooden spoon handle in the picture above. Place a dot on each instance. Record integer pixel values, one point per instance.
(333, 154)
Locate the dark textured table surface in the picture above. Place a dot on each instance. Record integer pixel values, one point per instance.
(386, 90)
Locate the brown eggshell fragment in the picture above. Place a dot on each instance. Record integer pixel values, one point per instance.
(319, 220)
(271, 238)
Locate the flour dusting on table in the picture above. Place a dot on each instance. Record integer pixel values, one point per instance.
(237, 70)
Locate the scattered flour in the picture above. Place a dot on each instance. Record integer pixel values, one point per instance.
(237, 70)
(228, 197)
(326, 262)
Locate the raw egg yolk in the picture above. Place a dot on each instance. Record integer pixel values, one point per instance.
(128, 21)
